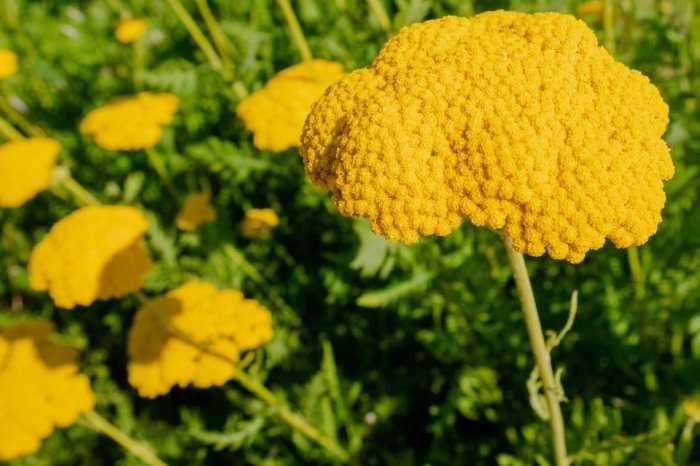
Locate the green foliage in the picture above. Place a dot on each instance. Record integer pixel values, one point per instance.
(408, 355)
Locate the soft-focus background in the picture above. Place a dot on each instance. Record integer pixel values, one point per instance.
(425, 342)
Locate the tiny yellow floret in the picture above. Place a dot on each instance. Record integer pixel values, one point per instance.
(40, 387)
(588, 8)
(94, 253)
(8, 63)
(196, 211)
(259, 223)
(518, 122)
(26, 168)
(129, 30)
(193, 335)
(131, 123)
(275, 114)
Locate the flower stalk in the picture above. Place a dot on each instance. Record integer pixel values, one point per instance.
(18, 118)
(196, 33)
(296, 421)
(81, 195)
(8, 131)
(380, 13)
(295, 29)
(540, 352)
(141, 450)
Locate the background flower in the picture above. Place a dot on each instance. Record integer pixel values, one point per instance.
(196, 211)
(129, 30)
(26, 168)
(8, 63)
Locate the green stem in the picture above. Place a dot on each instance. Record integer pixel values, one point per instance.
(381, 15)
(138, 449)
(138, 60)
(637, 272)
(8, 131)
(220, 40)
(295, 29)
(296, 421)
(196, 34)
(539, 350)
(19, 119)
(158, 164)
(609, 26)
(79, 193)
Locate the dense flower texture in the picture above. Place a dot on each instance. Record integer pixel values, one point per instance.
(8, 63)
(129, 30)
(275, 114)
(193, 334)
(93, 253)
(519, 122)
(259, 223)
(196, 211)
(26, 168)
(131, 123)
(40, 387)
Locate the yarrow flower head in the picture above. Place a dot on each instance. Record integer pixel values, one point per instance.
(94, 253)
(259, 223)
(130, 30)
(193, 335)
(131, 123)
(519, 122)
(26, 168)
(40, 387)
(8, 63)
(275, 114)
(196, 211)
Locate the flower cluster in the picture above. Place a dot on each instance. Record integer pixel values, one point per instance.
(129, 30)
(40, 387)
(519, 122)
(259, 223)
(8, 63)
(131, 123)
(196, 211)
(276, 113)
(193, 335)
(93, 253)
(26, 168)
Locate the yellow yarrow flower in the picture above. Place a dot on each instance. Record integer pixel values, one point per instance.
(26, 168)
(276, 113)
(94, 253)
(131, 123)
(196, 211)
(592, 7)
(8, 63)
(691, 407)
(193, 335)
(259, 223)
(129, 30)
(40, 388)
(519, 122)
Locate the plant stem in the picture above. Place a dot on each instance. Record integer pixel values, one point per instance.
(381, 15)
(295, 29)
(18, 118)
(196, 34)
(8, 131)
(157, 163)
(609, 26)
(138, 58)
(220, 40)
(637, 272)
(136, 448)
(79, 193)
(294, 420)
(539, 350)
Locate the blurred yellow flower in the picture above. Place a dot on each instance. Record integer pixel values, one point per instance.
(197, 210)
(259, 223)
(93, 253)
(131, 123)
(40, 388)
(587, 8)
(691, 407)
(129, 30)
(276, 113)
(26, 167)
(8, 63)
(193, 335)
